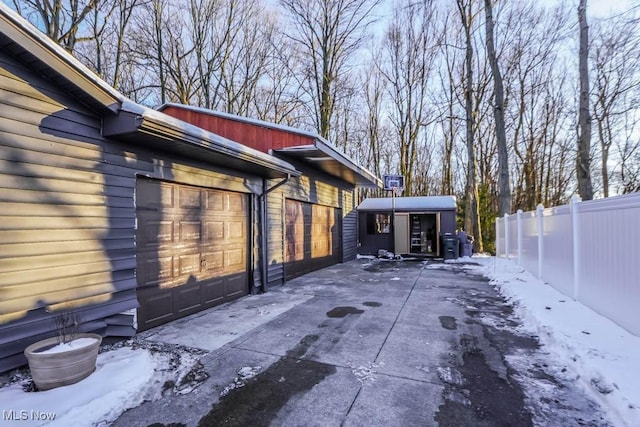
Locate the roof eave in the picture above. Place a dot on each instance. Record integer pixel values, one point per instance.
(366, 178)
(351, 172)
(129, 123)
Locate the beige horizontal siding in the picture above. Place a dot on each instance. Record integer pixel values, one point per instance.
(55, 209)
(42, 222)
(62, 259)
(71, 250)
(37, 208)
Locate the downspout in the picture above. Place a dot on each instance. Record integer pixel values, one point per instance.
(263, 227)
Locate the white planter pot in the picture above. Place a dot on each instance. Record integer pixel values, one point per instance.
(56, 369)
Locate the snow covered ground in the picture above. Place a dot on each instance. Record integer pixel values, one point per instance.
(597, 353)
(600, 355)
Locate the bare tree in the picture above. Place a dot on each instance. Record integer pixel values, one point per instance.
(409, 50)
(149, 34)
(536, 101)
(472, 216)
(278, 97)
(107, 53)
(629, 152)
(616, 60)
(328, 32)
(504, 188)
(583, 158)
(374, 87)
(250, 47)
(61, 19)
(445, 101)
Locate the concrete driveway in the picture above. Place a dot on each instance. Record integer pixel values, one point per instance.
(370, 342)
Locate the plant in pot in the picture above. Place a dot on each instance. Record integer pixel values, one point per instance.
(65, 359)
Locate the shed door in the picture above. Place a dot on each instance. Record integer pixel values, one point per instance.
(191, 247)
(312, 237)
(401, 233)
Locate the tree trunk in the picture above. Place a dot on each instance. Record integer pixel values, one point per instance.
(583, 160)
(504, 188)
(471, 214)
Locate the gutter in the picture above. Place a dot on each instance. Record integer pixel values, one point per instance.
(137, 119)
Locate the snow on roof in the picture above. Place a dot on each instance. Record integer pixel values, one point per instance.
(418, 203)
(319, 143)
(221, 144)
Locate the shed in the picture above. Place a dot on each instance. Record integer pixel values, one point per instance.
(125, 215)
(311, 219)
(417, 227)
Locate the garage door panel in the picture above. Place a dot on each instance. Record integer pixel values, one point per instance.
(236, 230)
(213, 292)
(191, 249)
(159, 307)
(189, 197)
(214, 230)
(214, 261)
(190, 231)
(188, 299)
(234, 286)
(156, 272)
(155, 232)
(154, 197)
(215, 201)
(235, 260)
(236, 202)
(189, 265)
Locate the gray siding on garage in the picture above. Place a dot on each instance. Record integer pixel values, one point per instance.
(349, 226)
(275, 237)
(312, 187)
(64, 212)
(67, 211)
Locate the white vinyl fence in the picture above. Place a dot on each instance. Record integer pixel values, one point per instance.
(589, 251)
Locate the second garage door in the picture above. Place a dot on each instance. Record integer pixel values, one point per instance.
(312, 237)
(191, 249)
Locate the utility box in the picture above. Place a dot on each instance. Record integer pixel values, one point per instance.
(450, 246)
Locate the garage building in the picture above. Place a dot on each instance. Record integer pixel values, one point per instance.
(311, 218)
(127, 216)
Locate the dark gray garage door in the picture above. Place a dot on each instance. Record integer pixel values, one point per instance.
(191, 249)
(312, 237)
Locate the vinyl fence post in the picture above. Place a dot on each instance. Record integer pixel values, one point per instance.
(498, 237)
(575, 201)
(519, 235)
(540, 221)
(506, 235)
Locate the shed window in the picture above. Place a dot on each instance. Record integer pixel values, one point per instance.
(378, 223)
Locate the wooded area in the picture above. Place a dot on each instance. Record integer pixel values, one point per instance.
(492, 101)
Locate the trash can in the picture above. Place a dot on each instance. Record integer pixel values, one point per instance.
(466, 244)
(467, 249)
(450, 245)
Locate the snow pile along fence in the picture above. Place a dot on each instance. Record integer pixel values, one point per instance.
(589, 251)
